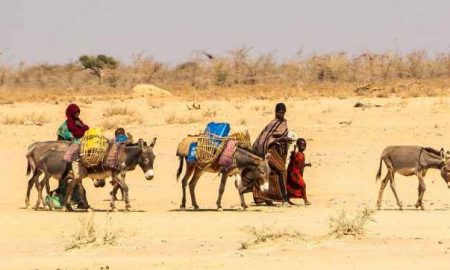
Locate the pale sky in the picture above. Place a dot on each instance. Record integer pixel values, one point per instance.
(58, 31)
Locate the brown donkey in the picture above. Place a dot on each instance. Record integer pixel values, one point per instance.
(245, 164)
(410, 160)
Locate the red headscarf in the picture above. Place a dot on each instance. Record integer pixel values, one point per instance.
(77, 130)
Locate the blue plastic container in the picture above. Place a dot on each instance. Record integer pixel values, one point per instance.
(192, 155)
(217, 131)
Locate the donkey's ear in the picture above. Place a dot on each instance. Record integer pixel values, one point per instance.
(443, 155)
(141, 142)
(153, 142)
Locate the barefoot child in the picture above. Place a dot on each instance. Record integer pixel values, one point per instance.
(296, 186)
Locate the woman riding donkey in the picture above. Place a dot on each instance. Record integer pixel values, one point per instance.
(72, 130)
(273, 142)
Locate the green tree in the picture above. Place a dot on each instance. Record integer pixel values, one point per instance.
(97, 64)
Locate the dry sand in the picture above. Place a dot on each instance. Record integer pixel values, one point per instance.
(155, 235)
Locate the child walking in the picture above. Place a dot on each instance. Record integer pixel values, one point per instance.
(296, 186)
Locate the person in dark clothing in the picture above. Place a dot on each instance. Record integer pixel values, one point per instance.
(273, 143)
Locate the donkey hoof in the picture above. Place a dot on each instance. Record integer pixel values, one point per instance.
(196, 207)
(219, 209)
(243, 208)
(113, 209)
(182, 207)
(128, 208)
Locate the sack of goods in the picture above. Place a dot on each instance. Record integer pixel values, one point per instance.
(211, 143)
(243, 139)
(93, 147)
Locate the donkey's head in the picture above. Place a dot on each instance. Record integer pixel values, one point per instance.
(147, 158)
(445, 170)
(261, 175)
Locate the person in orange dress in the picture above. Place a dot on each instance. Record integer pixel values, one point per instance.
(296, 186)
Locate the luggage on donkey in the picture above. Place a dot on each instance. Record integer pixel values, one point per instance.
(93, 147)
(210, 144)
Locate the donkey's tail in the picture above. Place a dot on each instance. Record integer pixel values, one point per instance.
(379, 170)
(180, 167)
(28, 167)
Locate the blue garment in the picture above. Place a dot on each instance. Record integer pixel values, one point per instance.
(121, 138)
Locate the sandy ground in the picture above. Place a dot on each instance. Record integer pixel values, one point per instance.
(155, 235)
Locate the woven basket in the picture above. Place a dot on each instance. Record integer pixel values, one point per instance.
(209, 148)
(93, 148)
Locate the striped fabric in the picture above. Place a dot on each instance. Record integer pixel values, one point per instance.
(275, 129)
(277, 180)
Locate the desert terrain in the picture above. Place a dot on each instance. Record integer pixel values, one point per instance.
(344, 146)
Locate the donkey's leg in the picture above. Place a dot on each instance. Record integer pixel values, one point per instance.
(421, 189)
(40, 197)
(45, 183)
(240, 188)
(31, 181)
(84, 200)
(382, 186)
(192, 184)
(116, 185)
(69, 190)
(223, 182)
(121, 181)
(189, 170)
(399, 203)
(125, 191)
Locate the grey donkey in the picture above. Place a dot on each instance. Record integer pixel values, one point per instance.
(47, 158)
(409, 160)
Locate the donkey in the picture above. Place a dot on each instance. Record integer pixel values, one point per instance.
(52, 165)
(408, 161)
(37, 149)
(245, 163)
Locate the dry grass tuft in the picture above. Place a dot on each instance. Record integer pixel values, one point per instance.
(266, 235)
(89, 235)
(37, 119)
(209, 113)
(84, 100)
(113, 111)
(174, 119)
(120, 116)
(6, 102)
(155, 103)
(345, 225)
